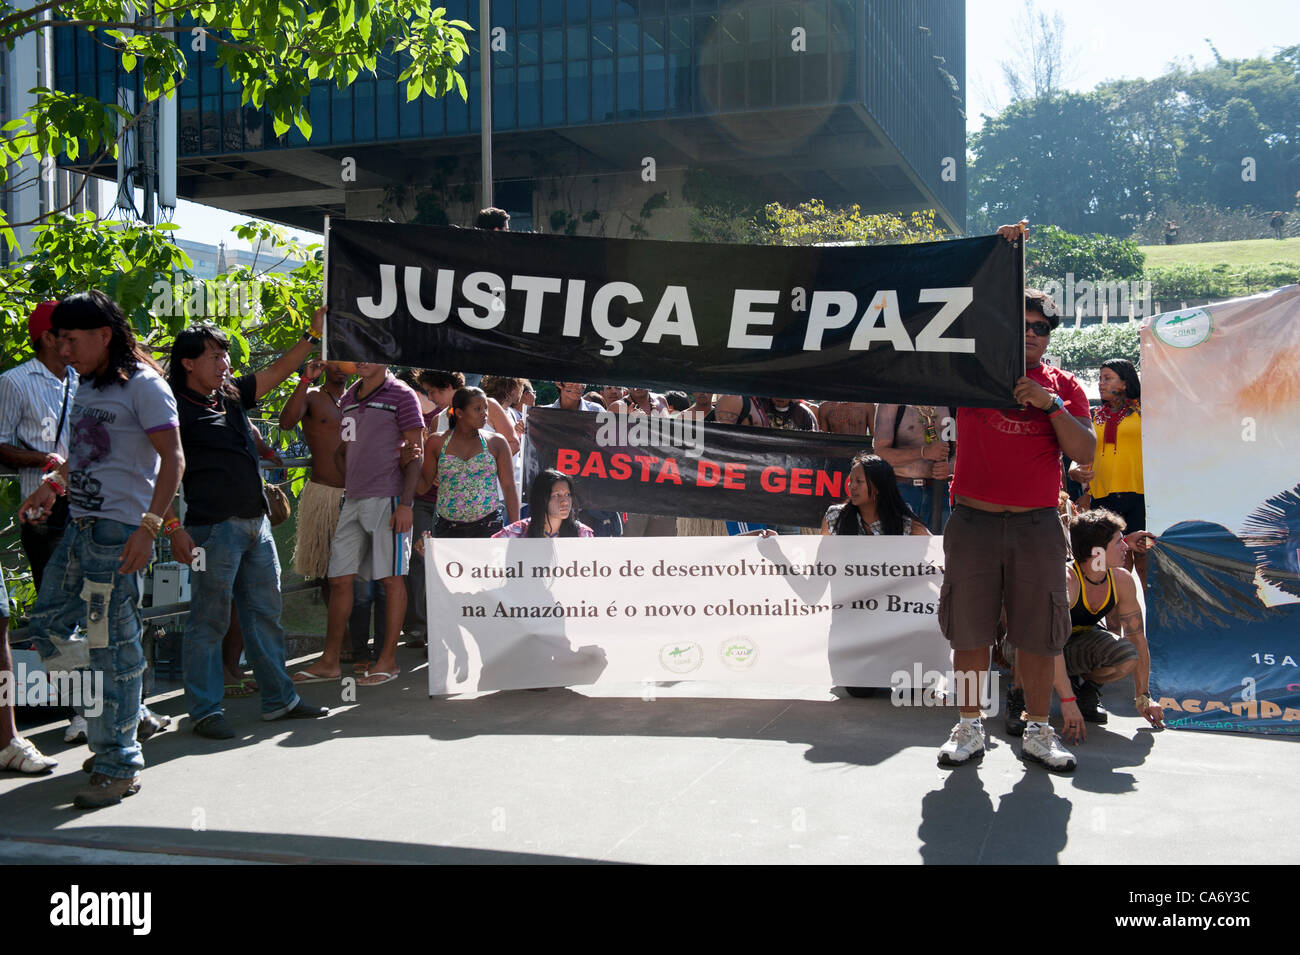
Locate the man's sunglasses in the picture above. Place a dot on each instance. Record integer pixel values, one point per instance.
(1041, 329)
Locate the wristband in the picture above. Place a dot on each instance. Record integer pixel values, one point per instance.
(267, 454)
(49, 467)
(52, 479)
(171, 526)
(1055, 414)
(309, 337)
(1069, 699)
(152, 523)
(1142, 700)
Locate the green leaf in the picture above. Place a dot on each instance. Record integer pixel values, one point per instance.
(128, 62)
(303, 122)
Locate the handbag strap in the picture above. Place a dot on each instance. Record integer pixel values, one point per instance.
(63, 412)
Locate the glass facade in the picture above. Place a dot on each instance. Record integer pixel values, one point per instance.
(590, 62)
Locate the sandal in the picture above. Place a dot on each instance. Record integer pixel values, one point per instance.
(237, 690)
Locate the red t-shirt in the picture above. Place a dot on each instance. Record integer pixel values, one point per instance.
(1012, 457)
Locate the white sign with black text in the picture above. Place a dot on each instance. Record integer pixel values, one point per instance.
(835, 611)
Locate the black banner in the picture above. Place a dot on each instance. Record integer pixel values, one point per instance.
(931, 323)
(690, 469)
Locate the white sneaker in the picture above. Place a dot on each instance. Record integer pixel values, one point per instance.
(965, 745)
(22, 756)
(76, 731)
(1044, 746)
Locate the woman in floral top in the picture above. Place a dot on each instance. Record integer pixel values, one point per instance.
(556, 490)
(466, 462)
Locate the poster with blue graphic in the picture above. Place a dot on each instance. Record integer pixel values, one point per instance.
(1221, 456)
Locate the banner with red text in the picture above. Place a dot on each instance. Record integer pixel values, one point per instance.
(830, 611)
(687, 468)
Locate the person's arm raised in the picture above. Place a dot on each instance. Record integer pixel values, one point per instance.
(270, 377)
(297, 404)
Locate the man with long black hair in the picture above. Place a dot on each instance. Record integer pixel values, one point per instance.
(123, 468)
(226, 516)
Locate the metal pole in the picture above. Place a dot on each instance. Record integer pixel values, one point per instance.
(485, 95)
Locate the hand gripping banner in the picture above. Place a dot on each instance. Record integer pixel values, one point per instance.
(930, 323)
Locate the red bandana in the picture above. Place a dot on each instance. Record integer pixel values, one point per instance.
(1111, 418)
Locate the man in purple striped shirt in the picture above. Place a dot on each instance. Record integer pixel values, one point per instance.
(381, 415)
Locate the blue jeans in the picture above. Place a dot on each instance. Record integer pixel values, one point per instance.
(89, 553)
(240, 563)
(367, 594)
(920, 499)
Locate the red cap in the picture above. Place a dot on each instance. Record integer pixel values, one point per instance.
(39, 322)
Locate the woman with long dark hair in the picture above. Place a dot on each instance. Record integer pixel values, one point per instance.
(551, 496)
(874, 505)
(1114, 477)
(466, 463)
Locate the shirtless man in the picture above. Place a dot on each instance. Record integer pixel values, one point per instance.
(318, 507)
(846, 417)
(641, 401)
(702, 408)
(916, 461)
(783, 413)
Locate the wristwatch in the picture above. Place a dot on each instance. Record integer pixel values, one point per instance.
(1058, 404)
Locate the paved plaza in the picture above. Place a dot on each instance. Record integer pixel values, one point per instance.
(773, 774)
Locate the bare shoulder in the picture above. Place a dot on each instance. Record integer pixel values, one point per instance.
(1125, 585)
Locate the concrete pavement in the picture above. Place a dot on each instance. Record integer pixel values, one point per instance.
(772, 775)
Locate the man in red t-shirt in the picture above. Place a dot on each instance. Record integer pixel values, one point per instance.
(1004, 546)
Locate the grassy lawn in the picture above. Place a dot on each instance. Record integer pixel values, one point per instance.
(1242, 253)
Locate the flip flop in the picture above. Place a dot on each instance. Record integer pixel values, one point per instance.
(236, 690)
(250, 684)
(378, 678)
(304, 676)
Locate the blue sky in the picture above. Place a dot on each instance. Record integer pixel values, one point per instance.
(1110, 39)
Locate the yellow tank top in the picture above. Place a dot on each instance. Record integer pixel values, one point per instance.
(1118, 468)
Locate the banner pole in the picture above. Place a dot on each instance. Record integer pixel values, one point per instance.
(325, 296)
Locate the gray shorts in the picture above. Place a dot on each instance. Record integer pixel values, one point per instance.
(992, 560)
(364, 542)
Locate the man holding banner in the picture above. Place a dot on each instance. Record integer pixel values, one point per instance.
(1004, 546)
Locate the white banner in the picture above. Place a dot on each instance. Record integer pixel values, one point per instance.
(1221, 385)
(835, 611)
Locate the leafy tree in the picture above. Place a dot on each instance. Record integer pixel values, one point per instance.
(273, 50)
(1052, 253)
(1059, 159)
(1045, 62)
(812, 223)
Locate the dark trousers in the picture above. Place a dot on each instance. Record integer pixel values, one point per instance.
(367, 594)
(39, 540)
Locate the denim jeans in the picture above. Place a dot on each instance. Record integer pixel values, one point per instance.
(367, 595)
(86, 558)
(240, 563)
(425, 517)
(921, 500)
